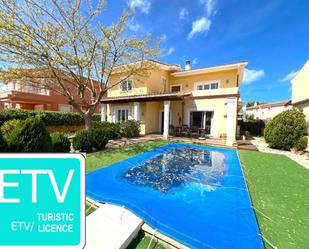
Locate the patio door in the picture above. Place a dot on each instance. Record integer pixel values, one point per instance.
(202, 119)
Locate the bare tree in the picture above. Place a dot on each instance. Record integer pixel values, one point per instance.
(63, 46)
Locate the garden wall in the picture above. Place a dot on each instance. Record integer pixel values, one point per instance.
(255, 127)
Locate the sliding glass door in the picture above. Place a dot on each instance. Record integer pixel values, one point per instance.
(201, 119)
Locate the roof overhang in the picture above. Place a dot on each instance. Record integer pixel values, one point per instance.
(145, 97)
(231, 66)
(162, 97)
(301, 102)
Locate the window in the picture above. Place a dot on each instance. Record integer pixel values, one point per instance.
(65, 108)
(122, 115)
(163, 81)
(214, 86)
(176, 88)
(207, 86)
(126, 85)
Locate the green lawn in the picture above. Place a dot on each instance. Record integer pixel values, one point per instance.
(142, 242)
(103, 158)
(279, 188)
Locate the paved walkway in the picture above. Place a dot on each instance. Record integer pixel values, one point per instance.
(246, 145)
(263, 147)
(118, 143)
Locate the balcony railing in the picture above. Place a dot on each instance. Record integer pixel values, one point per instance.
(24, 89)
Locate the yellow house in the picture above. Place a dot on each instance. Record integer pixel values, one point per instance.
(171, 98)
(300, 91)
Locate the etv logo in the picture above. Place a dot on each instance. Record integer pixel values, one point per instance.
(42, 201)
(33, 174)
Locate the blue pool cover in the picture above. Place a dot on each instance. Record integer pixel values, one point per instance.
(194, 194)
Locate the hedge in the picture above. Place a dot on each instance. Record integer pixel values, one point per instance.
(48, 117)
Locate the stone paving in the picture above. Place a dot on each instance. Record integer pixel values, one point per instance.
(118, 143)
(263, 147)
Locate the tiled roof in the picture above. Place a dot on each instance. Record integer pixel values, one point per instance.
(271, 104)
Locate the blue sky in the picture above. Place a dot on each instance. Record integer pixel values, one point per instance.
(272, 35)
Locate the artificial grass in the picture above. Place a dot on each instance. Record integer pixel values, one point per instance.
(142, 242)
(89, 209)
(279, 188)
(103, 158)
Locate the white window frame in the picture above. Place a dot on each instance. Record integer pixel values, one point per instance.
(176, 85)
(203, 83)
(213, 130)
(120, 108)
(123, 80)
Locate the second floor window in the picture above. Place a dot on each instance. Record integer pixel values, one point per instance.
(176, 88)
(126, 85)
(207, 86)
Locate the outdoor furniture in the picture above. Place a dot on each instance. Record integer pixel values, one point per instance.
(194, 131)
(185, 131)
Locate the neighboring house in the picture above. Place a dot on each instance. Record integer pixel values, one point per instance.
(267, 111)
(27, 96)
(300, 91)
(203, 98)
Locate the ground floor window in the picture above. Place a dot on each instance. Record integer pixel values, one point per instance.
(122, 115)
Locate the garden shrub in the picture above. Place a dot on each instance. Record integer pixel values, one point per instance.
(30, 137)
(100, 138)
(61, 143)
(301, 144)
(285, 129)
(3, 144)
(96, 117)
(130, 129)
(8, 127)
(83, 141)
(112, 130)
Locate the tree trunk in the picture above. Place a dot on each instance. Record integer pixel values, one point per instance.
(88, 123)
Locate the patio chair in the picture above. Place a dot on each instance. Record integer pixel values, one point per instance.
(194, 131)
(185, 131)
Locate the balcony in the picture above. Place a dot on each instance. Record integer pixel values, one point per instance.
(8, 89)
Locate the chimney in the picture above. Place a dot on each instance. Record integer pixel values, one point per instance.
(188, 66)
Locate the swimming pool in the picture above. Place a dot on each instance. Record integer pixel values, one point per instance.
(194, 194)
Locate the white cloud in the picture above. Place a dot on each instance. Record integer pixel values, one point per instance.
(142, 5)
(170, 51)
(209, 6)
(252, 75)
(133, 25)
(183, 13)
(199, 26)
(289, 76)
(194, 61)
